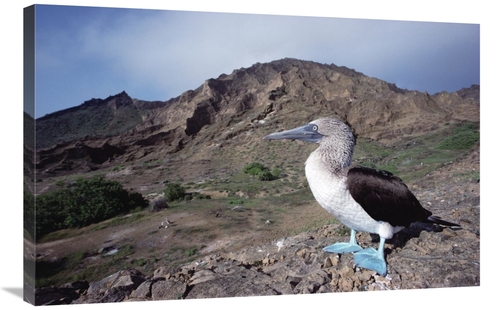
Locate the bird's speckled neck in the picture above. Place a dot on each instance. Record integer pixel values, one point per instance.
(337, 147)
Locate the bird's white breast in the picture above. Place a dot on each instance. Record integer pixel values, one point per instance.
(330, 191)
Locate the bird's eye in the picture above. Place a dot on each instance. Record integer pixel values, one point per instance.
(315, 128)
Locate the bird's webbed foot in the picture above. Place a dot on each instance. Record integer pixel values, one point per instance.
(344, 247)
(371, 259)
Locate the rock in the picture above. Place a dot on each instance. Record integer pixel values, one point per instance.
(202, 276)
(365, 275)
(331, 261)
(168, 289)
(162, 272)
(143, 291)
(242, 282)
(114, 288)
(346, 272)
(158, 204)
(64, 294)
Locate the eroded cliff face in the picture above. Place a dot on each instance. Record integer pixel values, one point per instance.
(236, 110)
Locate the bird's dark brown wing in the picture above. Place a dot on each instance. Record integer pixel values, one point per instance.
(385, 197)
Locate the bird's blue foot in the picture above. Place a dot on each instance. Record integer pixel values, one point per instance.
(344, 247)
(372, 259)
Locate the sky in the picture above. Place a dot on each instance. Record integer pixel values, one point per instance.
(95, 52)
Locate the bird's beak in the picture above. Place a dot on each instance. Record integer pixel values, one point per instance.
(307, 133)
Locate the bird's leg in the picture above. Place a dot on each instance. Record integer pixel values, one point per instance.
(372, 259)
(344, 247)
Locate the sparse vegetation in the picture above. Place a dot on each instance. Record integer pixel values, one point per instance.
(175, 191)
(191, 251)
(83, 202)
(117, 168)
(263, 173)
(254, 168)
(464, 136)
(414, 157)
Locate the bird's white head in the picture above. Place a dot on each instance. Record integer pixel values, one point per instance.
(335, 138)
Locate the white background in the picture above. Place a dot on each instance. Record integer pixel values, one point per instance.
(482, 12)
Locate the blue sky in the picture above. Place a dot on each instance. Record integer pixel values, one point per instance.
(85, 52)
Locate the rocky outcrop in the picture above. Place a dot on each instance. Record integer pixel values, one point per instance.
(114, 288)
(422, 256)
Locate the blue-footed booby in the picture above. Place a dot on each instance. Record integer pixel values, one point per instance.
(363, 199)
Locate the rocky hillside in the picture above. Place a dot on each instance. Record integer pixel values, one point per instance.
(228, 115)
(96, 118)
(205, 136)
(423, 256)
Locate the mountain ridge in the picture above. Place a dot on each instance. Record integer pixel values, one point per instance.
(236, 110)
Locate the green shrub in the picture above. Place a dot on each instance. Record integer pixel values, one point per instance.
(261, 171)
(254, 168)
(83, 202)
(175, 191)
(276, 172)
(266, 176)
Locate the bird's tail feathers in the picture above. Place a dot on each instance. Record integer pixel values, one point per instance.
(437, 220)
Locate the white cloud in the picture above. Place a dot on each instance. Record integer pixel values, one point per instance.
(156, 55)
